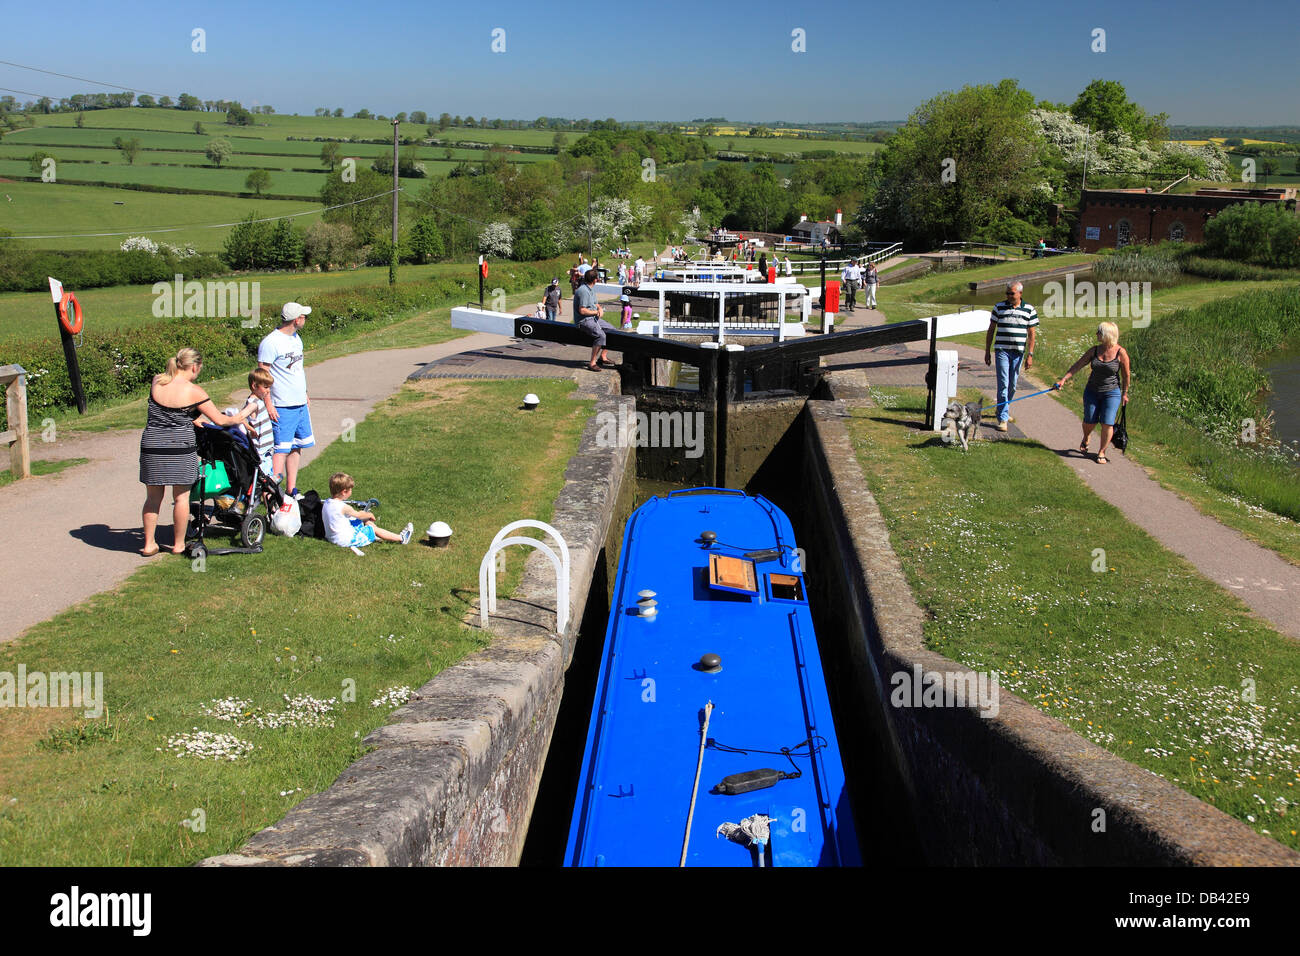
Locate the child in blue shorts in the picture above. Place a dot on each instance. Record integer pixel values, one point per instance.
(349, 528)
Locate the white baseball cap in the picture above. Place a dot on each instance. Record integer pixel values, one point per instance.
(293, 310)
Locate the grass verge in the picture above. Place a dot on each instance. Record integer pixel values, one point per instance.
(301, 620)
(1214, 477)
(43, 468)
(1023, 570)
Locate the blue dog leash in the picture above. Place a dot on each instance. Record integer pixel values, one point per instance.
(1020, 399)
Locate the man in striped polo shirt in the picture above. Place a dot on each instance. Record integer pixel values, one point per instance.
(1010, 339)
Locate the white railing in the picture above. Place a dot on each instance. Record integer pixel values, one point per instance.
(837, 265)
(487, 577)
(718, 324)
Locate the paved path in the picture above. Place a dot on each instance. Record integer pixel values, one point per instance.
(1269, 585)
(77, 533)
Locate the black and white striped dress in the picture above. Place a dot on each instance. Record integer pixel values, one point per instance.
(167, 451)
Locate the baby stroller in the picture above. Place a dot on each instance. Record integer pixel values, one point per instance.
(230, 476)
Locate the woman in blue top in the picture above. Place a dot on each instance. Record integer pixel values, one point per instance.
(1107, 387)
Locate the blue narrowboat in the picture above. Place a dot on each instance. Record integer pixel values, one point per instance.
(711, 741)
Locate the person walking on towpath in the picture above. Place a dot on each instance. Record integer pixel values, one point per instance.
(1010, 339)
(849, 276)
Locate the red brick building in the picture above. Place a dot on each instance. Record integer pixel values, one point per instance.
(1111, 218)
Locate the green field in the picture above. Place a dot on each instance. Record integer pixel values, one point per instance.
(788, 144)
(272, 128)
(30, 315)
(51, 208)
(173, 157)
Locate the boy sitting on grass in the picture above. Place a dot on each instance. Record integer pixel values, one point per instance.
(349, 528)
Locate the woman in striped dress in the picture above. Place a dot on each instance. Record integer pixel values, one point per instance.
(167, 450)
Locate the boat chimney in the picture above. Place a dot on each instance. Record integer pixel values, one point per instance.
(839, 218)
(803, 218)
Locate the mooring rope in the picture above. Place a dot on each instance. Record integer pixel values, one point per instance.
(699, 765)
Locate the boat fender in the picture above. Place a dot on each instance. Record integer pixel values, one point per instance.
(749, 780)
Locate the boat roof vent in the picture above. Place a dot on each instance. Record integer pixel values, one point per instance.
(732, 574)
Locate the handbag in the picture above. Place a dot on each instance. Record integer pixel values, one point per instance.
(1120, 438)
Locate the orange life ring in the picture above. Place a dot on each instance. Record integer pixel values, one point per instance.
(72, 328)
(482, 268)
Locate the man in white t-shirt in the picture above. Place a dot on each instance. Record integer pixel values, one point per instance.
(281, 354)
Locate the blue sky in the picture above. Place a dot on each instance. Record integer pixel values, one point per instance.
(1199, 62)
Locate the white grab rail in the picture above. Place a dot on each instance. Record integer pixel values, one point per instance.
(487, 578)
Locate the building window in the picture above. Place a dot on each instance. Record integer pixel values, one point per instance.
(1177, 232)
(1125, 234)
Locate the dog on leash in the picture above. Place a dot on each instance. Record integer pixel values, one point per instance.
(960, 423)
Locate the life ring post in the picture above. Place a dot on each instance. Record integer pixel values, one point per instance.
(67, 311)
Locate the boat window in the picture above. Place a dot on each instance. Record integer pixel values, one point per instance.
(786, 587)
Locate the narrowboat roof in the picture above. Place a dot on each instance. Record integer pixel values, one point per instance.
(742, 598)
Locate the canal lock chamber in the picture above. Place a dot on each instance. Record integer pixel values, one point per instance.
(760, 447)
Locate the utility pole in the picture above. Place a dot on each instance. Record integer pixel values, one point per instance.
(392, 257)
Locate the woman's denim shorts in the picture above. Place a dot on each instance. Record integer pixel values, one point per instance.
(1100, 406)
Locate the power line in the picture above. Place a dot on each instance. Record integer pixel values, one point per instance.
(219, 225)
(43, 96)
(69, 76)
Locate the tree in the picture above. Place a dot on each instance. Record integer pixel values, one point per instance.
(329, 155)
(258, 180)
(400, 117)
(218, 151)
(238, 116)
(960, 162)
(284, 246)
(540, 123)
(248, 245)
(146, 101)
(36, 162)
(419, 117)
(559, 141)
(444, 121)
(1268, 167)
(425, 240)
(130, 148)
(188, 102)
(367, 219)
(363, 113)
(198, 128)
(338, 113)
(497, 240)
(1104, 105)
(535, 238)
(765, 202)
(329, 244)
(81, 120)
